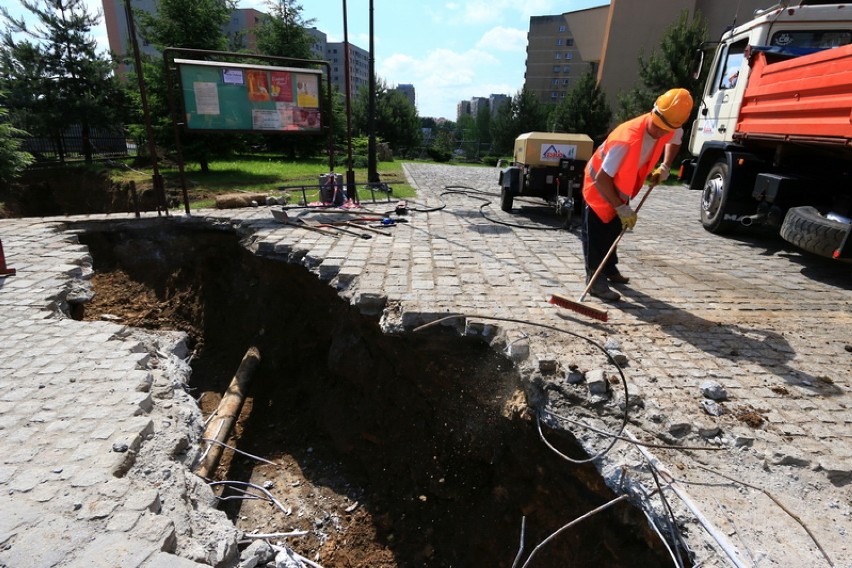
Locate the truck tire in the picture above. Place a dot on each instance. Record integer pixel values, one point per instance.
(811, 231)
(506, 199)
(716, 198)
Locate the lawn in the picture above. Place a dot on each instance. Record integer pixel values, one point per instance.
(269, 175)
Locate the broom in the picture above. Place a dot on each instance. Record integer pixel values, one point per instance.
(579, 306)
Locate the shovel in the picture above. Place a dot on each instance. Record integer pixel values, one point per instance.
(284, 218)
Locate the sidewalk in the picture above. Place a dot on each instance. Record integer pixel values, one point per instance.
(770, 326)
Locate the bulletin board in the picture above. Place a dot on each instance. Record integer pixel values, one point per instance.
(249, 98)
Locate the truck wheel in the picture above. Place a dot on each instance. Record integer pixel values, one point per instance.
(715, 198)
(811, 231)
(506, 199)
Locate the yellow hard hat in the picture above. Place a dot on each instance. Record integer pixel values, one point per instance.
(672, 109)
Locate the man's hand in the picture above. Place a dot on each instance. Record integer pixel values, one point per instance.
(660, 175)
(627, 216)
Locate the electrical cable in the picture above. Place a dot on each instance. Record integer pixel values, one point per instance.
(466, 190)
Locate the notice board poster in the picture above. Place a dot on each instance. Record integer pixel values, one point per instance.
(253, 98)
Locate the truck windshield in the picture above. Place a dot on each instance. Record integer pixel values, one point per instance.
(820, 39)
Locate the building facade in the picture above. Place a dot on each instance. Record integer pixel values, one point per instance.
(408, 90)
(462, 109)
(335, 54)
(608, 40)
(240, 29)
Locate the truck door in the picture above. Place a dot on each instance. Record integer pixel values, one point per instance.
(717, 115)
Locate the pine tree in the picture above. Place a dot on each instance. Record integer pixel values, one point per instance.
(584, 110)
(54, 77)
(12, 159)
(283, 32)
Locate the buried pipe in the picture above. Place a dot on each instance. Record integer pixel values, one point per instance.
(219, 429)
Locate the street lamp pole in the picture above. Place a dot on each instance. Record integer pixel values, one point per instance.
(372, 174)
(351, 192)
(159, 186)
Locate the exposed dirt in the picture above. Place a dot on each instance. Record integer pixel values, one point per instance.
(387, 451)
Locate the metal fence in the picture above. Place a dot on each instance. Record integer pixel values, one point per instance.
(68, 145)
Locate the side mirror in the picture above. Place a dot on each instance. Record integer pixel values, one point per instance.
(697, 64)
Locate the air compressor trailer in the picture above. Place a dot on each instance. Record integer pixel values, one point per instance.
(547, 165)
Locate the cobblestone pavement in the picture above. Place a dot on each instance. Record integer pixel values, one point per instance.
(768, 485)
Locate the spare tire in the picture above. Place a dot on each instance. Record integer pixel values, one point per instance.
(812, 231)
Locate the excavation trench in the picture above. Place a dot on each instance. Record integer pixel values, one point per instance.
(404, 450)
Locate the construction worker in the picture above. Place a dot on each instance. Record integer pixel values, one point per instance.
(615, 174)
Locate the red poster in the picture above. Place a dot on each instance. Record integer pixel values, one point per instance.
(258, 89)
(282, 87)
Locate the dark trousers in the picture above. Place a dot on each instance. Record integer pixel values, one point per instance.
(597, 237)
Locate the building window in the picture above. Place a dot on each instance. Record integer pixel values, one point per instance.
(568, 55)
(554, 81)
(566, 69)
(560, 42)
(561, 28)
(556, 68)
(569, 42)
(565, 81)
(554, 94)
(558, 56)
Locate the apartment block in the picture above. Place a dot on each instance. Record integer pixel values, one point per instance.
(241, 26)
(462, 109)
(408, 90)
(608, 40)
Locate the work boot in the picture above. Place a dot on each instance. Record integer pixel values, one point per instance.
(600, 289)
(617, 277)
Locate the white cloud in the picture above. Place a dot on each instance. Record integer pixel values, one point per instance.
(443, 77)
(503, 39)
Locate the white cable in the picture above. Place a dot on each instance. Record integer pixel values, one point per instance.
(729, 549)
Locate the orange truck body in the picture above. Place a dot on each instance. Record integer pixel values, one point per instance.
(804, 99)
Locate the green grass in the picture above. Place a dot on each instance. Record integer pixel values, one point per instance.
(265, 174)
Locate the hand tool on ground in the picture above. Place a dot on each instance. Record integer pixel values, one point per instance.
(579, 306)
(367, 228)
(336, 228)
(283, 218)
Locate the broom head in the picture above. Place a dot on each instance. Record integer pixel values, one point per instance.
(578, 307)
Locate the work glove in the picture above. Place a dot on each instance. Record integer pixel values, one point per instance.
(660, 175)
(627, 216)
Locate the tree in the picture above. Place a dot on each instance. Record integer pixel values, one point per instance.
(189, 24)
(396, 120)
(525, 113)
(483, 128)
(54, 77)
(283, 32)
(584, 110)
(12, 159)
(466, 134)
(195, 24)
(668, 67)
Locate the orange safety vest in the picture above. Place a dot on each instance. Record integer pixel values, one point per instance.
(630, 176)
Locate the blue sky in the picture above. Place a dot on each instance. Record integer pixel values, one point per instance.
(449, 50)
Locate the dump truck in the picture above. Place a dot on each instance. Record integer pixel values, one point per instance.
(547, 165)
(772, 140)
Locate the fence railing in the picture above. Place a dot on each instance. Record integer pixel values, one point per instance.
(69, 146)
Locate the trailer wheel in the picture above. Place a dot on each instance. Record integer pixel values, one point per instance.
(715, 199)
(811, 231)
(506, 199)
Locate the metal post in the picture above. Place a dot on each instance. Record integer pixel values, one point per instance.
(351, 192)
(159, 188)
(372, 174)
